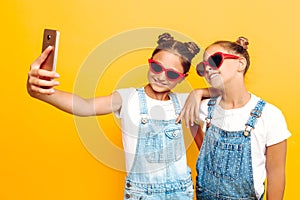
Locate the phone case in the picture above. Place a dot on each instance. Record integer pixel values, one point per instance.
(51, 38)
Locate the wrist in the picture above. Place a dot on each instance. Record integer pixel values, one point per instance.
(202, 92)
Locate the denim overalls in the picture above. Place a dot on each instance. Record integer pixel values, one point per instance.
(159, 170)
(224, 165)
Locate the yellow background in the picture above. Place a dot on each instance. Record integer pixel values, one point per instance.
(42, 156)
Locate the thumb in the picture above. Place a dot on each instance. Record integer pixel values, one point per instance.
(37, 63)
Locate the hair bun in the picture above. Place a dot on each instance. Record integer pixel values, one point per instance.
(192, 47)
(164, 37)
(242, 41)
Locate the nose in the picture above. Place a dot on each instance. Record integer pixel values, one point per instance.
(161, 76)
(208, 69)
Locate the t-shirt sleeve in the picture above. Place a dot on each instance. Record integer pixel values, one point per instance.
(203, 104)
(275, 125)
(202, 108)
(182, 98)
(125, 94)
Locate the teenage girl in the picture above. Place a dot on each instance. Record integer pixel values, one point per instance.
(245, 137)
(153, 143)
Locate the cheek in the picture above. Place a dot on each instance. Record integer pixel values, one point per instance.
(159, 76)
(227, 71)
(149, 75)
(174, 83)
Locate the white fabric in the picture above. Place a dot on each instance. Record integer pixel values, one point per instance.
(271, 128)
(130, 117)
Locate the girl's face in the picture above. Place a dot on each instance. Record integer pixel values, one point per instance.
(159, 80)
(226, 73)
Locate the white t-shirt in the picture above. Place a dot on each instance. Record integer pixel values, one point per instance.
(130, 118)
(271, 128)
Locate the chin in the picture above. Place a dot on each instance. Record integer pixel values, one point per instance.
(217, 83)
(159, 88)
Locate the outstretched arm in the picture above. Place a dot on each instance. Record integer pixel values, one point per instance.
(43, 89)
(275, 165)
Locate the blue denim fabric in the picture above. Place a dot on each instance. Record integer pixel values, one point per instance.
(175, 190)
(159, 170)
(224, 165)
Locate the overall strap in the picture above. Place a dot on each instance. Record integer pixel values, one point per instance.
(254, 114)
(211, 106)
(143, 105)
(175, 101)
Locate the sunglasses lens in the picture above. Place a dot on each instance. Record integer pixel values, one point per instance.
(200, 69)
(156, 67)
(172, 75)
(215, 60)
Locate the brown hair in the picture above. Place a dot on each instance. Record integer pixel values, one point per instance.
(186, 51)
(238, 47)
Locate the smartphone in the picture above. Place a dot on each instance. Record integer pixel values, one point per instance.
(51, 38)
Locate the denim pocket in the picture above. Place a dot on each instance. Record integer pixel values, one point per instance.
(224, 159)
(166, 145)
(174, 143)
(154, 147)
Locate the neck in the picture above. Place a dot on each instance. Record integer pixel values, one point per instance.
(235, 97)
(162, 96)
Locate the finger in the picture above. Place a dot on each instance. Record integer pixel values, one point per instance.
(196, 112)
(187, 118)
(48, 74)
(42, 90)
(43, 73)
(37, 63)
(37, 81)
(191, 116)
(180, 116)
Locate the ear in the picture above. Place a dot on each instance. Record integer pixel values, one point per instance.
(242, 64)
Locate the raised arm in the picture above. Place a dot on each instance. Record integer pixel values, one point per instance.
(43, 89)
(275, 165)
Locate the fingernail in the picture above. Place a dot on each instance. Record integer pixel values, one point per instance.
(56, 75)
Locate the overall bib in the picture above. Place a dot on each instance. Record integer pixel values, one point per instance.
(157, 171)
(224, 165)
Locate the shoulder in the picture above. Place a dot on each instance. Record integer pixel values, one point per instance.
(126, 94)
(181, 97)
(128, 97)
(270, 110)
(272, 116)
(274, 124)
(126, 91)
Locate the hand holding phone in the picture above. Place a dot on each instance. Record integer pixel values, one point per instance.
(51, 38)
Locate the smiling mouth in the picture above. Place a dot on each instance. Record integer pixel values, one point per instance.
(157, 82)
(212, 76)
